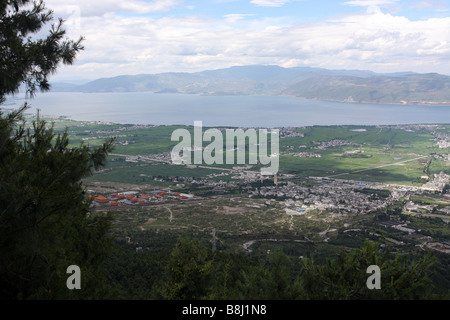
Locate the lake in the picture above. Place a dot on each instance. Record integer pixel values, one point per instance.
(239, 111)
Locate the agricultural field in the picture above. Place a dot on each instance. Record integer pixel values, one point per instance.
(388, 154)
(337, 187)
(335, 184)
(383, 154)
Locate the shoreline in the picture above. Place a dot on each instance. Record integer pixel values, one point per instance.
(53, 117)
(251, 111)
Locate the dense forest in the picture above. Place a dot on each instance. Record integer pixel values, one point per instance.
(192, 270)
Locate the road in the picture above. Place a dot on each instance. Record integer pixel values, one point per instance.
(170, 162)
(377, 167)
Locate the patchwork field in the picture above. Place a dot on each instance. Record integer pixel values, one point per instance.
(385, 157)
(388, 154)
(336, 188)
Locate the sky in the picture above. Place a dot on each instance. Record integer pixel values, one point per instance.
(156, 36)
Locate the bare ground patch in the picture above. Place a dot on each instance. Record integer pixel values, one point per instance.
(232, 210)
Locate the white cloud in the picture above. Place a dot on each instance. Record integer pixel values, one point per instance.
(370, 3)
(236, 17)
(438, 6)
(373, 6)
(270, 3)
(380, 42)
(101, 7)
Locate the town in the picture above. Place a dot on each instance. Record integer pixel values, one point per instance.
(384, 169)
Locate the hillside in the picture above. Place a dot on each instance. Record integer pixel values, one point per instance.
(404, 89)
(310, 83)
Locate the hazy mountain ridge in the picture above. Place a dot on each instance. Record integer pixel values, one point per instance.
(431, 89)
(305, 82)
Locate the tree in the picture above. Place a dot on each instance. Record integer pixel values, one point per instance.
(24, 60)
(345, 277)
(45, 220)
(273, 279)
(189, 272)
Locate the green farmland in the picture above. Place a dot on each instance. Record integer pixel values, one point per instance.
(240, 221)
(388, 154)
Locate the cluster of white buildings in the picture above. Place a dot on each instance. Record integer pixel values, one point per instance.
(328, 194)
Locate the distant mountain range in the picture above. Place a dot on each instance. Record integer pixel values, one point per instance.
(311, 83)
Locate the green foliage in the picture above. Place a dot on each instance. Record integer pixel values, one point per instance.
(270, 280)
(344, 278)
(27, 60)
(45, 221)
(188, 272)
(131, 274)
(192, 271)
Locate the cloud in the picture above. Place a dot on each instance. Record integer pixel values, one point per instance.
(101, 7)
(236, 17)
(119, 44)
(373, 6)
(439, 6)
(370, 3)
(270, 3)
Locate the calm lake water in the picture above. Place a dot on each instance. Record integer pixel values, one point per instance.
(245, 111)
